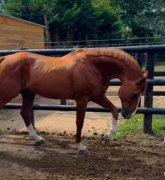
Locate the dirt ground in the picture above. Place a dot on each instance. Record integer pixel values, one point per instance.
(137, 156)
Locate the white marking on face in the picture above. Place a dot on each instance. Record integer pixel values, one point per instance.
(136, 107)
(33, 134)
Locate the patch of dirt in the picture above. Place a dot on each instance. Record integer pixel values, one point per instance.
(138, 156)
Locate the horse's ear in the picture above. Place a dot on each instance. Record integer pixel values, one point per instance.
(141, 85)
(141, 82)
(145, 74)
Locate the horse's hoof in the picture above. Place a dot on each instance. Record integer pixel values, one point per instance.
(106, 137)
(83, 152)
(39, 142)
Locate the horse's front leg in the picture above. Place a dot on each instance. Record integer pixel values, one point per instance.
(112, 130)
(105, 102)
(81, 108)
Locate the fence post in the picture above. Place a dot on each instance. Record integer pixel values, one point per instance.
(148, 99)
(63, 101)
(139, 59)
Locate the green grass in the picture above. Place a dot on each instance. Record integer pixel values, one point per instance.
(135, 124)
(159, 66)
(158, 124)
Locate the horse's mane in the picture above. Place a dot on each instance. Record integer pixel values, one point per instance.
(1, 59)
(113, 53)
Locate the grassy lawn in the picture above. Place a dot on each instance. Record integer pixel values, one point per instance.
(160, 66)
(135, 124)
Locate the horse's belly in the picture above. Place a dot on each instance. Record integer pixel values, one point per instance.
(52, 90)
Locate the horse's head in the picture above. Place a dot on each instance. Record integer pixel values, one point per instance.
(129, 94)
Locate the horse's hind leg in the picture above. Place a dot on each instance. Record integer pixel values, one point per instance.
(26, 110)
(81, 108)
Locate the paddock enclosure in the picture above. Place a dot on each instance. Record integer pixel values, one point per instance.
(137, 156)
(18, 34)
(147, 110)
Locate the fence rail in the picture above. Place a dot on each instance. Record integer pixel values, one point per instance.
(73, 108)
(148, 109)
(135, 49)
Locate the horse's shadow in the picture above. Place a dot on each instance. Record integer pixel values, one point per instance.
(49, 142)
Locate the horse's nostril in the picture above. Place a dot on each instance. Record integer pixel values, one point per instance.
(126, 113)
(129, 116)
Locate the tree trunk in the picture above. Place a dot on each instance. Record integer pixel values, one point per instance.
(47, 35)
(56, 36)
(87, 39)
(68, 36)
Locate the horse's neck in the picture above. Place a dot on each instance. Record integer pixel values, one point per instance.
(114, 68)
(129, 74)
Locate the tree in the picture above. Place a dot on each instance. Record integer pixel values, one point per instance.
(38, 11)
(91, 19)
(87, 19)
(142, 16)
(74, 18)
(109, 23)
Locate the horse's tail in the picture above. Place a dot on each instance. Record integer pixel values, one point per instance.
(1, 59)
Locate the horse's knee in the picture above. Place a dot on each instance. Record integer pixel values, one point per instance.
(25, 113)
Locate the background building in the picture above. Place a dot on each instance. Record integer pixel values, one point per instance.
(16, 33)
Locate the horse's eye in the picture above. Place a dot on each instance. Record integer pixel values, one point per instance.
(134, 95)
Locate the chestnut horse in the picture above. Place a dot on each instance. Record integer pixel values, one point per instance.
(82, 75)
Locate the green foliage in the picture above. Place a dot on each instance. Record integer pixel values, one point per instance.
(158, 124)
(146, 18)
(31, 10)
(76, 20)
(135, 124)
(88, 19)
(109, 23)
(129, 125)
(92, 19)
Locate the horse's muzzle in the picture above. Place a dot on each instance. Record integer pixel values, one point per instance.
(126, 113)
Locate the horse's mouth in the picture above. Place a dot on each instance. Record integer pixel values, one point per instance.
(126, 113)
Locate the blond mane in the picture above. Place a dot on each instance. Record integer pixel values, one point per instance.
(113, 53)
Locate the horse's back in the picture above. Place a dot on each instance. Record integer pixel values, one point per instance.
(66, 77)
